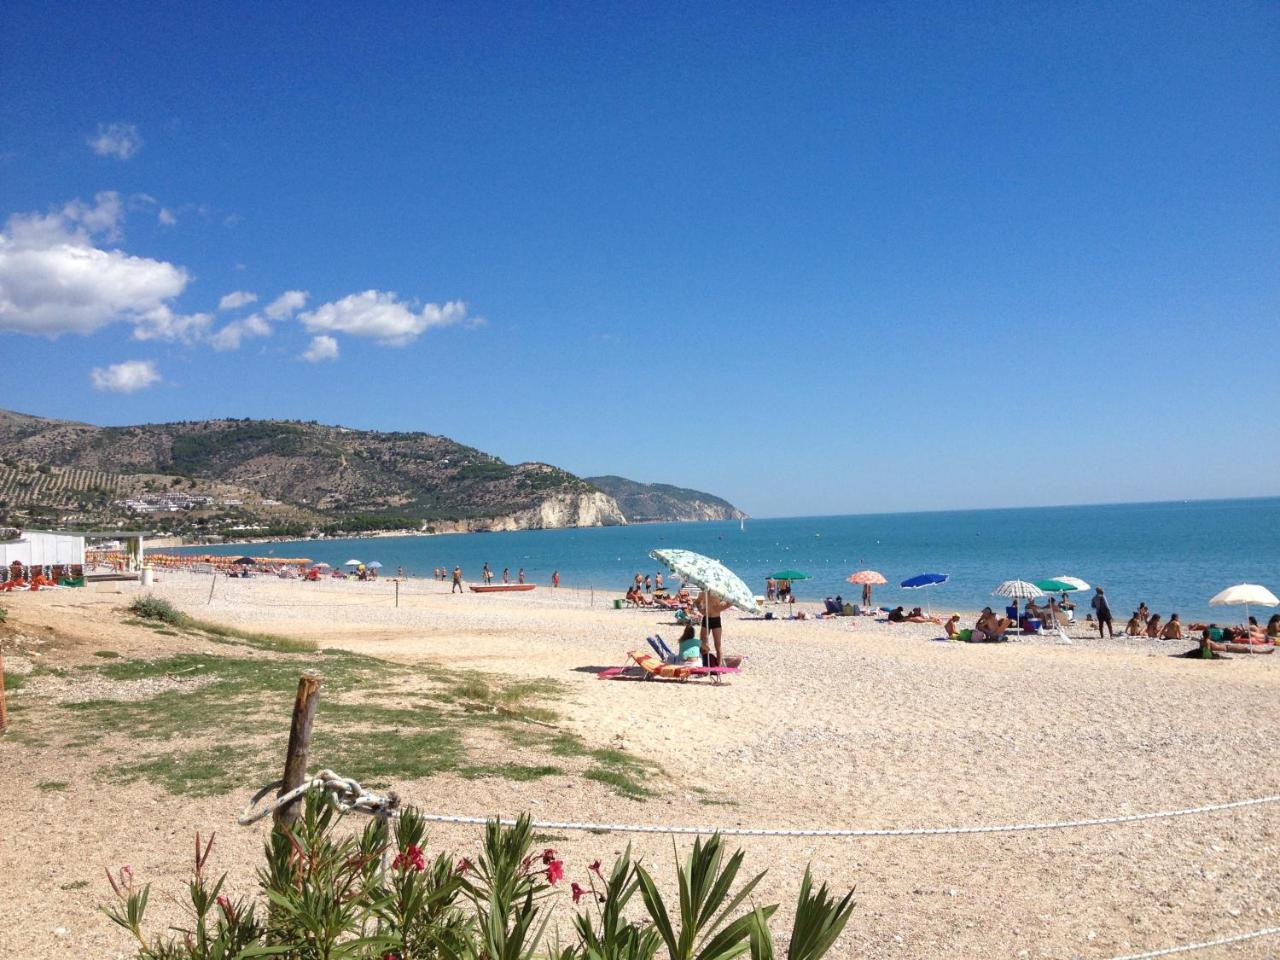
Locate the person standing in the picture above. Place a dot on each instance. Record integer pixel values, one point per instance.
(506, 574)
(520, 575)
(555, 579)
(457, 580)
(711, 607)
(1102, 613)
(487, 574)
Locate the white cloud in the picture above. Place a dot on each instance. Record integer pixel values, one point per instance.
(229, 337)
(237, 299)
(287, 304)
(382, 316)
(54, 278)
(127, 377)
(322, 347)
(119, 140)
(167, 217)
(161, 323)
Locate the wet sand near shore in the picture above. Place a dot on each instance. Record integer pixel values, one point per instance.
(835, 723)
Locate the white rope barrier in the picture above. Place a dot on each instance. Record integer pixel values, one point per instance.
(1187, 948)
(349, 795)
(352, 796)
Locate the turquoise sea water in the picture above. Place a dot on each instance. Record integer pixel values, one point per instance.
(1174, 556)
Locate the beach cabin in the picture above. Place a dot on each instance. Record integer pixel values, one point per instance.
(47, 552)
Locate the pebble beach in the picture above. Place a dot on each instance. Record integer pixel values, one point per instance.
(833, 723)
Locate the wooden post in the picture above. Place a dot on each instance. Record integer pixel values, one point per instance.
(397, 594)
(211, 586)
(295, 761)
(4, 710)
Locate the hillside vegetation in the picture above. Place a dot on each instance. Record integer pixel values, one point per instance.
(283, 476)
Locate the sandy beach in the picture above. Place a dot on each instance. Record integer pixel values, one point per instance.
(835, 723)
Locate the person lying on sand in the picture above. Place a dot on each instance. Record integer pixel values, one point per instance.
(897, 615)
(918, 616)
(1172, 630)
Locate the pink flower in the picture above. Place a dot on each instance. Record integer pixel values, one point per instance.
(577, 892)
(548, 855)
(224, 904)
(464, 866)
(410, 857)
(595, 868)
(555, 872)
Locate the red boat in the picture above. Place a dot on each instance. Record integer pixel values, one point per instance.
(501, 587)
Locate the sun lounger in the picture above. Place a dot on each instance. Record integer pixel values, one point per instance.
(655, 669)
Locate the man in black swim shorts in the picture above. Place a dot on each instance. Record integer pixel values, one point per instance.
(711, 607)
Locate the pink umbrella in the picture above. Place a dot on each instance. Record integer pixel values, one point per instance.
(868, 579)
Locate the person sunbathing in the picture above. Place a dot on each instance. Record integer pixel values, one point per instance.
(1153, 626)
(1134, 627)
(1273, 628)
(990, 627)
(1172, 630)
(897, 615)
(952, 626)
(635, 597)
(1143, 613)
(918, 616)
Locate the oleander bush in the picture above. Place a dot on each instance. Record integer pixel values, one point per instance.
(327, 894)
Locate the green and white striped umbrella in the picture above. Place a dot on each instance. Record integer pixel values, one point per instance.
(710, 575)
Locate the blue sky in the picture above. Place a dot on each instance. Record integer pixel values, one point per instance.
(814, 258)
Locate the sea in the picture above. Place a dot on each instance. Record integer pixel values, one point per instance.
(1173, 556)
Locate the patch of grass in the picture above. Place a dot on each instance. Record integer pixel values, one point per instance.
(620, 781)
(106, 654)
(549, 838)
(151, 607)
(52, 785)
(152, 611)
(75, 885)
(614, 768)
(14, 681)
(168, 633)
(510, 771)
(203, 772)
(381, 757)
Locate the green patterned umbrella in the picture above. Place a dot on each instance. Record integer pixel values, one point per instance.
(710, 575)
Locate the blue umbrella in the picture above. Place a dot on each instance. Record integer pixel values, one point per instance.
(925, 580)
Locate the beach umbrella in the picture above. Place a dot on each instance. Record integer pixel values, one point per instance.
(322, 566)
(375, 565)
(1245, 593)
(868, 579)
(708, 574)
(922, 580)
(1075, 583)
(1018, 590)
(788, 575)
(352, 563)
(1054, 586)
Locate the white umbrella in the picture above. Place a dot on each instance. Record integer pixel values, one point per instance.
(352, 563)
(1245, 593)
(375, 565)
(709, 575)
(1018, 590)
